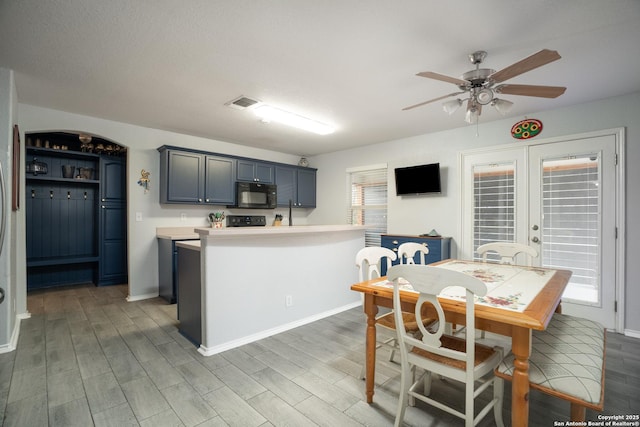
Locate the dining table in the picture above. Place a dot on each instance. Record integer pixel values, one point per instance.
(519, 299)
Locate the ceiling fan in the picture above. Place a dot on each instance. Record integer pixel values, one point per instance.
(480, 84)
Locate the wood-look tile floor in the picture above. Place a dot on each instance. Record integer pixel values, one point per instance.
(87, 357)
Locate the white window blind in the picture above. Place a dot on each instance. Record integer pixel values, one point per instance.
(368, 201)
(494, 205)
(571, 198)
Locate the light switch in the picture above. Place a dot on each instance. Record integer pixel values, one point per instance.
(138, 216)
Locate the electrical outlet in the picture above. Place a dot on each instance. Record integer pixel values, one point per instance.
(183, 216)
(288, 300)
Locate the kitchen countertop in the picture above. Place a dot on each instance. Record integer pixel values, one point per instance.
(191, 244)
(177, 233)
(228, 232)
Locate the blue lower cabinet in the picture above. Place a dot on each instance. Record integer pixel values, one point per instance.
(439, 247)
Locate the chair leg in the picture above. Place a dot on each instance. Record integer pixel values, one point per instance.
(405, 383)
(393, 351)
(498, 396)
(469, 409)
(426, 379)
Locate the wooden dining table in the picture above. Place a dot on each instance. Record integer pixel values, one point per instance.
(501, 313)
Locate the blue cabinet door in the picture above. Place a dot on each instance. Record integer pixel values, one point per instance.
(306, 189)
(183, 177)
(286, 185)
(252, 171)
(219, 184)
(112, 265)
(112, 179)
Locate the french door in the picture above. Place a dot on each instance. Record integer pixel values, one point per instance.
(559, 197)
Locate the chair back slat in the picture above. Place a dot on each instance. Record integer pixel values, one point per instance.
(429, 281)
(507, 251)
(369, 258)
(408, 250)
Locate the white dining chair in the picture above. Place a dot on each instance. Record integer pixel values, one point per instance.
(369, 262)
(435, 352)
(407, 251)
(507, 251)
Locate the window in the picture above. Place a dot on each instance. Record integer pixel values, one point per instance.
(368, 201)
(571, 200)
(494, 205)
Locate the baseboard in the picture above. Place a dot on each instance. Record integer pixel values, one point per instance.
(632, 334)
(141, 297)
(210, 351)
(13, 342)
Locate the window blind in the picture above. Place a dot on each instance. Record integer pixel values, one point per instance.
(572, 221)
(494, 205)
(368, 201)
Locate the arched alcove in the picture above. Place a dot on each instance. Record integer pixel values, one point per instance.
(75, 208)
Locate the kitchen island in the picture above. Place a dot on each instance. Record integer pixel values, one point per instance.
(259, 281)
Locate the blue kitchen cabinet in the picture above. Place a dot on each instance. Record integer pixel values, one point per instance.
(439, 247)
(194, 178)
(219, 185)
(112, 266)
(296, 184)
(182, 177)
(253, 171)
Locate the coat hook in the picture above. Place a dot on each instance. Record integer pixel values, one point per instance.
(33, 193)
(68, 194)
(85, 195)
(51, 194)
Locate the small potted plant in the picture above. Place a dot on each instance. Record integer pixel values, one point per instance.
(215, 218)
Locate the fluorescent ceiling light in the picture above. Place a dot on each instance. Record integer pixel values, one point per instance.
(269, 113)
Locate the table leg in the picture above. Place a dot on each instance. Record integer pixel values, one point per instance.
(371, 310)
(521, 348)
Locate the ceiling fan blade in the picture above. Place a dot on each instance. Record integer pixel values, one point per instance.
(531, 90)
(431, 100)
(534, 61)
(443, 78)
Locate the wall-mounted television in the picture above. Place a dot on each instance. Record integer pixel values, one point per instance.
(421, 179)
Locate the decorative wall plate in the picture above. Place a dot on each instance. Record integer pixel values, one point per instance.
(526, 129)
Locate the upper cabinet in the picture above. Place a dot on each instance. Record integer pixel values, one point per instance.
(296, 184)
(219, 184)
(181, 177)
(187, 177)
(249, 170)
(112, 179)
(195, 177)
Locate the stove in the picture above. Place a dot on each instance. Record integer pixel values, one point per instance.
(246, 221)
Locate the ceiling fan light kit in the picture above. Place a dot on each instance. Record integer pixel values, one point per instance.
(452, 106)
(480, 85)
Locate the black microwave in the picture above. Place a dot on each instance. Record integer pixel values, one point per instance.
(254, 195)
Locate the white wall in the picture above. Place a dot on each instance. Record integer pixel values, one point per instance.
(142, 153)
(10, 274)
(406, 215)
(416, 215)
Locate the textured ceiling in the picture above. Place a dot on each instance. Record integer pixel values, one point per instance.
(172, 64)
